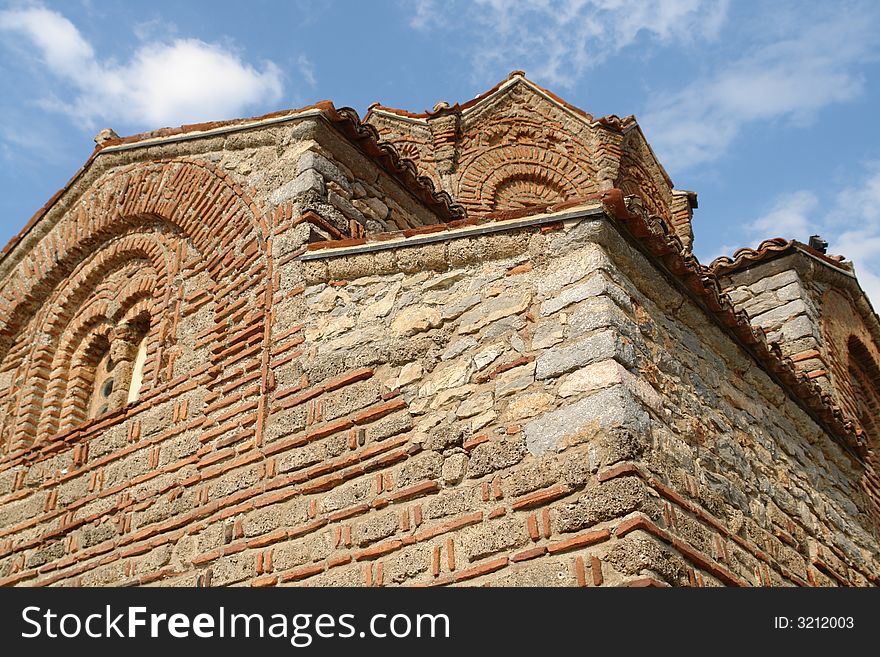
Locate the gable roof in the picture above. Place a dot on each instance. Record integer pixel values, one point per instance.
(345, 120)
(610, 122)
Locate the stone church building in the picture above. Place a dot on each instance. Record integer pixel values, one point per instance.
(470, 346)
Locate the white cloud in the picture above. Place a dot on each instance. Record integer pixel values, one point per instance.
(789, 78)
(556, 41)
(306, 70)
(164, 83)
(426, 15)
(788, 217)
(63, 48)
(802, 213)
(859, 205)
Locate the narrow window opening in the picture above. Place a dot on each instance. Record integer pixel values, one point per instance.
(103, 384)
(137, 372)
(119, 369)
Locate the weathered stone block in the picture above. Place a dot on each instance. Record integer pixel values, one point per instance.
(375, 527)
(639, 553)
(614, 407)
(312, 161)
(495, 455)
(596, 285)
(493, 310)
(514, 380)
(415, 319)
(307, 181)
(572, 267)
(490, 538)
(594, 348)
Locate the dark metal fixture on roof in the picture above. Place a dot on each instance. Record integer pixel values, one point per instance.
(816, 242)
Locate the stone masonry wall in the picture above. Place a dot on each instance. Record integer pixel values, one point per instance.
(538, 405)
(777, 298)
(813, 311)
(808, 309)
(787, 496)
(589, 399)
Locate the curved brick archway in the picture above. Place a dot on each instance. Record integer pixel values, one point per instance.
(170, 215)
(636, 180)
(157, 247)
(208, 207)
(855, 377)
(61, 406)
(520, 185)
(864, 379)
(488, 180)
(840, 333)
(131, 265)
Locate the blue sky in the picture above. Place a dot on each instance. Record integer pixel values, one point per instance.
(767, 110)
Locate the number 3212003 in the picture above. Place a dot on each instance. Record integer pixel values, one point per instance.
(825, 622)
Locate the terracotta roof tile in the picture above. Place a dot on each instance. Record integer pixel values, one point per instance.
(703, 282)
(767, 250)
(493, 217)
(347, 121)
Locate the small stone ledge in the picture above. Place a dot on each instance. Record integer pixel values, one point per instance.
(431, 247)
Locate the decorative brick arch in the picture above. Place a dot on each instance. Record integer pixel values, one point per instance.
(140, 293)
(855, 378)
(158, 248)
(635, 180)
(164, 213)
(864, 377)
(520, 185)
(83, 296)
(79, 375)
(498, 175)
(842, 327)
(204, 203)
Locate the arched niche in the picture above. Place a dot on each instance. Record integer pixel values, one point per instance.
(179, 218)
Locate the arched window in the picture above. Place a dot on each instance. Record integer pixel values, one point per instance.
(120, 371)
(103, 386)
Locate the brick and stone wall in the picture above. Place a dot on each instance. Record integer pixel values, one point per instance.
(534, 405)
(818, 315)
(346, 385)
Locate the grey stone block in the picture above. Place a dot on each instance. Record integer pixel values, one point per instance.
(307, 181)
(609, 408)
(594, 286)
(777, 316)
(592, 349)
(319, 163)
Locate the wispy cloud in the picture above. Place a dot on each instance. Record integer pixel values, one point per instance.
(164, 83)
(307, 70)
(850, 221)
(788, 216)
(853, 227)
(787, 78)
(558, 40)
